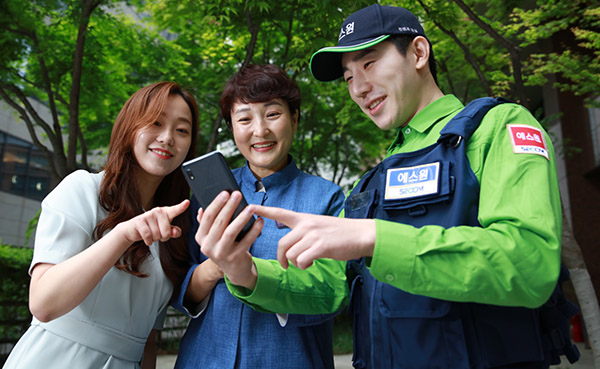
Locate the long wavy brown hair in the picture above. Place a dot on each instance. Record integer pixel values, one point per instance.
(119, 194)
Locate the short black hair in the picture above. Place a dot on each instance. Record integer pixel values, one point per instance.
(403, 41)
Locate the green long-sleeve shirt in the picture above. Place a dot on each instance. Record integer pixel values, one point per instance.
(512, 260)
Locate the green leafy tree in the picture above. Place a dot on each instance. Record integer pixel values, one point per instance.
(222, 36)
(81, 60)
(36, 60)
(14, 286)
(575, 26)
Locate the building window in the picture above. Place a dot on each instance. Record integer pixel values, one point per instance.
(24, 169)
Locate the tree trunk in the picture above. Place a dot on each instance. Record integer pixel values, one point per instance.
(582, 283)
(84, 151)
(214, 132)
(86, 11)
(253, 28)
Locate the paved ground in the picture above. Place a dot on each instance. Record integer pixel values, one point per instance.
(345, 361)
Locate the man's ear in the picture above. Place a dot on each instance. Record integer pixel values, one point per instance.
(421, 49)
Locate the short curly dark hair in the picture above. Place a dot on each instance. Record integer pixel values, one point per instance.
(259, 83)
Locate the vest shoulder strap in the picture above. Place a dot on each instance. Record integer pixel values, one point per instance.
(467, 120)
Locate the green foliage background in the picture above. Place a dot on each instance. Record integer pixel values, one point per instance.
(14, 290)
(515, 47)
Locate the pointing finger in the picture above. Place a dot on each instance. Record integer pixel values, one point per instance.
(175, 210)
(287, 217)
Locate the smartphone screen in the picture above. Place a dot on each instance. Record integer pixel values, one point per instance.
(209, 175)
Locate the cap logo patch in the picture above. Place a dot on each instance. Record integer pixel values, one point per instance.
(407, 29)
(345, 31)
(527, 140)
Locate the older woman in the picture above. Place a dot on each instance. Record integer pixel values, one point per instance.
(261, 105)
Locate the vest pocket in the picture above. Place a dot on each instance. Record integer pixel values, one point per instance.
(418, 332)
(360, 205)
(395, 303)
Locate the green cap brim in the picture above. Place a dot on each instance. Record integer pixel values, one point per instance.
(326, 63)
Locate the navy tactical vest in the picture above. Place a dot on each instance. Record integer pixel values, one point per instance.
(395, 329)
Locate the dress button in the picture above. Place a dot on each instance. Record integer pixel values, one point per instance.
(407, 131)
(389, 277)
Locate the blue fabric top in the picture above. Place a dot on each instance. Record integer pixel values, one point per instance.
(230, 334)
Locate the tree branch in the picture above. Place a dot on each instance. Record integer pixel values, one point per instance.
(253, 28)
(513, 50)
(287, 32)
(29, 124)
(20, 30)
(468, 56)
(49, 91)
(38, 120)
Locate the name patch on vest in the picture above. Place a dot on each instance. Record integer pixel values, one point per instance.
(527, 140)
(409, 182)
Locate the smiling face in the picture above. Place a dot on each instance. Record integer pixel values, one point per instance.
(384, 83)
(264, 132)
(161, 147)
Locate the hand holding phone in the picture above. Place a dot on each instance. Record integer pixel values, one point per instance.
(207, 176)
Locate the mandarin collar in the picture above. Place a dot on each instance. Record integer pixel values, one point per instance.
(280, 178)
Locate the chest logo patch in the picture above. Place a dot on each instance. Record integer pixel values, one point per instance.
(409, 182)
(527, 140)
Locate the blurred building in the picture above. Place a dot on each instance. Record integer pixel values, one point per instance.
(24, 176)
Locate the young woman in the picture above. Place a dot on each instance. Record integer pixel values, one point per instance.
(108, 251)
(261, 105)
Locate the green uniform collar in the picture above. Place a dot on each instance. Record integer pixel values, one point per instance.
(430, 115)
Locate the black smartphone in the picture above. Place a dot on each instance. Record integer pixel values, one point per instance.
(207, 176)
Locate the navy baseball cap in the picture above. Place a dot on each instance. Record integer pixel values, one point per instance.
(360, 30)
